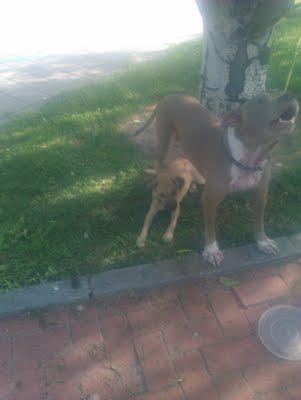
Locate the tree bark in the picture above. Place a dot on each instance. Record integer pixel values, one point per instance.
(237, 40)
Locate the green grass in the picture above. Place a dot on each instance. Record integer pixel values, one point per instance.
(72, 195)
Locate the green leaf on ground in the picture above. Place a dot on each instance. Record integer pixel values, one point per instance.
(227, 281)
(184, 251)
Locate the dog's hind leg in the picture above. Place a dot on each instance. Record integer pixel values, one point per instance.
(168, 235)
(147, 223)
(164, 133)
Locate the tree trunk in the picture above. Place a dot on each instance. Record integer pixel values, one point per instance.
(237, 38)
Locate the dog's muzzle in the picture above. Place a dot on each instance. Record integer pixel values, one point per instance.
(287, 117)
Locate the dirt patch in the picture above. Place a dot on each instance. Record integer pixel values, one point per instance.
(146, 141)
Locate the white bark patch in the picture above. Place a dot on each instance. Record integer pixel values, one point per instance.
(255, 79)
(252, 50)
(236, 55)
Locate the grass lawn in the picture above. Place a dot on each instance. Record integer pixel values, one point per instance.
(72, 196)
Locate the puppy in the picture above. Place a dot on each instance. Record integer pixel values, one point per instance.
(169, 186)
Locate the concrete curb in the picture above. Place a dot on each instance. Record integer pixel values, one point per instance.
(146, 276)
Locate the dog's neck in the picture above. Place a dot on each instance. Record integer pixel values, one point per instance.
(239, 151)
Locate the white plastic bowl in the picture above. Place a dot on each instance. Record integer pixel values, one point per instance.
(279, 329)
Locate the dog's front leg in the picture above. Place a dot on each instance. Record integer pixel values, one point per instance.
(168, 235)
(264, 243)
(147, 223)
(211, 200)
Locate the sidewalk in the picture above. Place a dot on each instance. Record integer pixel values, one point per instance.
(185, 342)
(27, 83)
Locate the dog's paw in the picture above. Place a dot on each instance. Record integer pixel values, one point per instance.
(268, 246)
(140, 242)
(213, 255)
(167, 237)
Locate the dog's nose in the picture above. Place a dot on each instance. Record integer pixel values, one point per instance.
(171, 204)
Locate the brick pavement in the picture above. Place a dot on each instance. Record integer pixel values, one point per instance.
(182, 342)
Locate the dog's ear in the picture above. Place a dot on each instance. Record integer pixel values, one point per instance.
(232, 118)
(150, 178)
(179, 182)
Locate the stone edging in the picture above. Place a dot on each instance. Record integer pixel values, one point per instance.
(142, 277)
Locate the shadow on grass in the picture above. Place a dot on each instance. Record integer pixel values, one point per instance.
(87, 228)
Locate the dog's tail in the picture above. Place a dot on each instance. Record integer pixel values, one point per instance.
(147, 123)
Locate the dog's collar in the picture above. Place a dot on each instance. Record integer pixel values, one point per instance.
(258, 167)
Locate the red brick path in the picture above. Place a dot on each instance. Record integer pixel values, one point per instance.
(188, 342)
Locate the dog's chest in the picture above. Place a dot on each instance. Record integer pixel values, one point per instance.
(243, 180)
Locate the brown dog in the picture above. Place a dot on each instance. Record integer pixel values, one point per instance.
(231, 154)
(169, 185)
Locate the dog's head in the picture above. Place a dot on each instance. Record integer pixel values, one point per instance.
(165, 188)
(264, 119)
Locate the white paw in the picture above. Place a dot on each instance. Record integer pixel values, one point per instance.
(268, 246)
(168, 237)
(140, 242)
(213, 255)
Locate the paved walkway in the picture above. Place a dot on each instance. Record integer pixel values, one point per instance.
(185, 342)
(27, 83)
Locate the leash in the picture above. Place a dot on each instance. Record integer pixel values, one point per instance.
(293, 65)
